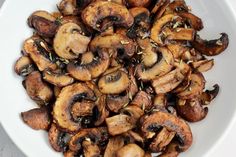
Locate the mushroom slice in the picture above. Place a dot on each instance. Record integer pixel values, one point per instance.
(177, 49)
(142, 100)
(138, 3)
(114, 83)
(160, 101)
(194, 21)
(162, 10)
(81, 109)
(187, 34)
(101, 113)
(195, 88)
(208, 95)
(38, 118)
(39, 52)
(116, 102)
(119, 124)
(172, 123)
(157, 6)
(149, 55)
(57, 79)
(192, 110)
(135, 136)
(70, 153)
(96, 135)
(58, 139)
(44, 23)
(24, 66)
(38, 91)
(133, 111)
(161, 68)
(211, 47)
(90, 149)
(70, 41)
(171, 151)
(119, 42)
(130, 150)
(163, 139)
(56, 91)
(86, 72)
(68, 97)
(203, 65)
(114, 144)
(177, 6)
(96, 12)
(68, 7)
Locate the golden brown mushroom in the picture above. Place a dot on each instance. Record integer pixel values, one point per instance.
(130, 150)
(114, 144)
(138, 3)
(24, 66)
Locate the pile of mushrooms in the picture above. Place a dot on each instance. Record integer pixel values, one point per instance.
(118, 78)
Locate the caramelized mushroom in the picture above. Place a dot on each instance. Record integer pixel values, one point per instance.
(171, 151)
(138, 3)
(39, 52)
(114, 144)
(68, 97)
(194, 21)
(208, 95)
(142, 100)
(101, 112)
(97, 12)
(211, 47)
(130, 150)
(24, 66)
(70, 41)
(116, 102)
(150, 124)
(68, 7)
(37, 119)
(39, 91)
(203, 65)
(90, 149)
(88, 71)
(133, 111)
(44, 23)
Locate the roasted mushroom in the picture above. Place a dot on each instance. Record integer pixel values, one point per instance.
(203, 65)
(142, 100)
(68, 7)
(96, 12)
(130, 150)
(24, 66)
(90, 149)
(138, 3)
(38, 90)
(70, 41)
(38, 118)
(44, 23)
(211, 47)
(67, 98)
(114, 144)
(171, 151)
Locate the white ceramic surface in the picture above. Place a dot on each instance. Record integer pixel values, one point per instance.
(217, 16)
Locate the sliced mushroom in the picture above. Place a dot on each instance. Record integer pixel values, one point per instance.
(38, 91)
(68, 97)
(101, 112)
(116, 102)
(70, 153)
(208, 95)
(96, 135)
(130, 150)
(119, 42)
(96, 12)
(70, 41)
(119, 124)
(142, 100)
(68, 7)
(177, 49)
(187, 34)
(152, 123)
(192, 110)
(135, 136)
(58, 139)
(86, 72)
(39, 52)
(195, 88)
(114, 83)
(81, 109)
(177, 6)
(38, 118)
(163, 66)
(90, 149)
(138, 3)
(57, 79)
(133, 111)
(194, 21)
(171, 151)
(211, 47)
(56, 91)
(160, 101)
(24, 66)
(114, 144)
(149, 54)
(203, 65)
(44, 23)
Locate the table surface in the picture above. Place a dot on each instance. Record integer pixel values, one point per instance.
(9, 149)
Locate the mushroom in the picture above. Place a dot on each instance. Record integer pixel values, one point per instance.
(57, 79)
(142, 100)
(91, 70)
(211, 47)
(191, 19)
(38, 118)
(24, 66)
(177, 6)
(116, 102)
(96, 12)
(121, 43)
(119, 124)
(177, 49)
(56, 91)
(130, 150)
(138, 3)
(66, 99)
(208, 95)
(96, 135)
(160, 12)
(70, 153)
(115, 143)
(187, 34)
(70, 41)
(38, 91)
(101, 112)
(82, 109)
(152, 123)
(90, 149)
(44, 23)
(114, 83)
(68, 7)
(171, 151)
(195, 87)
(134, 136)
(163, 66)
(192, 110)
(160, 101)
(133, 111)
(58, 139)
(203, 65)
(39, 52)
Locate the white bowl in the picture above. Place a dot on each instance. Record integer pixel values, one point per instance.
(217, 16)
